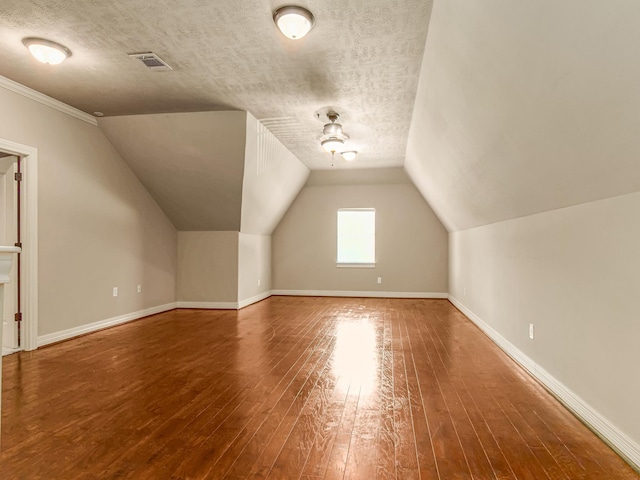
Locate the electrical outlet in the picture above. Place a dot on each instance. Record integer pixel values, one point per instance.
(115, 291)
(139, 289)
(258, 282)
(379, 279)
(531, 331)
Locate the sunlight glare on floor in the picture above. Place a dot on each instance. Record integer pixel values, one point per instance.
(355, 358)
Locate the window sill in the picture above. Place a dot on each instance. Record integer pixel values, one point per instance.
(356, 265)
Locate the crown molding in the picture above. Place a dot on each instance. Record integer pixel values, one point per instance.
(46, 100)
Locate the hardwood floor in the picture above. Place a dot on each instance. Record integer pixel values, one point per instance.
(290, 388)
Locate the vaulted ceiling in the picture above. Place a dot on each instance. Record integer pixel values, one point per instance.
(511, 108)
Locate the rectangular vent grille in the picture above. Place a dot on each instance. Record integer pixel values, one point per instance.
(151, 61)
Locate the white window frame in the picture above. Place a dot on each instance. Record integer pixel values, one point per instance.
(354, 264)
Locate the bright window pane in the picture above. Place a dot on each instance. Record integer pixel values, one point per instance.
(357, 236)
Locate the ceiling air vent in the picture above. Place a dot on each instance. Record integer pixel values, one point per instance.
(151, 61)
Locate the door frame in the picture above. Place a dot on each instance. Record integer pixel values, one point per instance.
(29, 223)
(8, 222)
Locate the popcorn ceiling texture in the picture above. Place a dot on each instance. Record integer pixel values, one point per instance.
(363, 57)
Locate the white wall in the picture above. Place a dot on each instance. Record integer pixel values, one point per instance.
(98, 227)
(254, 265)
(411, 243)
(273, 176)
(207, 267)
(573, 273)
(525, 107)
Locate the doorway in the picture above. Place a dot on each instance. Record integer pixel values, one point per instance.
(9, 215)
(28, 217)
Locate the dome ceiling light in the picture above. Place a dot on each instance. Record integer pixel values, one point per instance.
(332, 145)
(350, 155)
(46, 51)
(294, 22)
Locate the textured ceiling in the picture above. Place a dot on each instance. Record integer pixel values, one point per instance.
(521, 107)
(525, 107)
(362, 57)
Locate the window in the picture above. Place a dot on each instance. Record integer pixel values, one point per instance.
(356, 237)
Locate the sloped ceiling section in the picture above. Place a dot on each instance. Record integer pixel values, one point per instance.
(191, 163)
(525, 107)
(369, 176)
(273, 177)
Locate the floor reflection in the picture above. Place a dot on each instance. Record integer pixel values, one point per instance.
(355, 357)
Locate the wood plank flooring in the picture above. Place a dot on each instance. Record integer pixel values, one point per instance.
(290, 388)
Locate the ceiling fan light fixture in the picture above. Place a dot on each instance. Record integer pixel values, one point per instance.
(46, 51)
(333, 129)
(294, 22)
(350, 155)
(332, 145)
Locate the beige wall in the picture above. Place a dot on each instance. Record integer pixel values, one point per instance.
(98, 226)
(573, 273)
(207, 267)
(254, 264)
(222, 266)
(411, 243)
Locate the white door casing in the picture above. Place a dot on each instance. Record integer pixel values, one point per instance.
(29, 255)
(8, 236)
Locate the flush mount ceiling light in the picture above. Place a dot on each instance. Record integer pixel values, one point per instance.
(294, 22)
(46, 51)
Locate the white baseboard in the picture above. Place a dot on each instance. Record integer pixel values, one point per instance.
(226, 305)
(346, 293)
(306, 293)
(110, 322)
(609, 433)
(210, 305)
(254, 299)
(101, 324)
